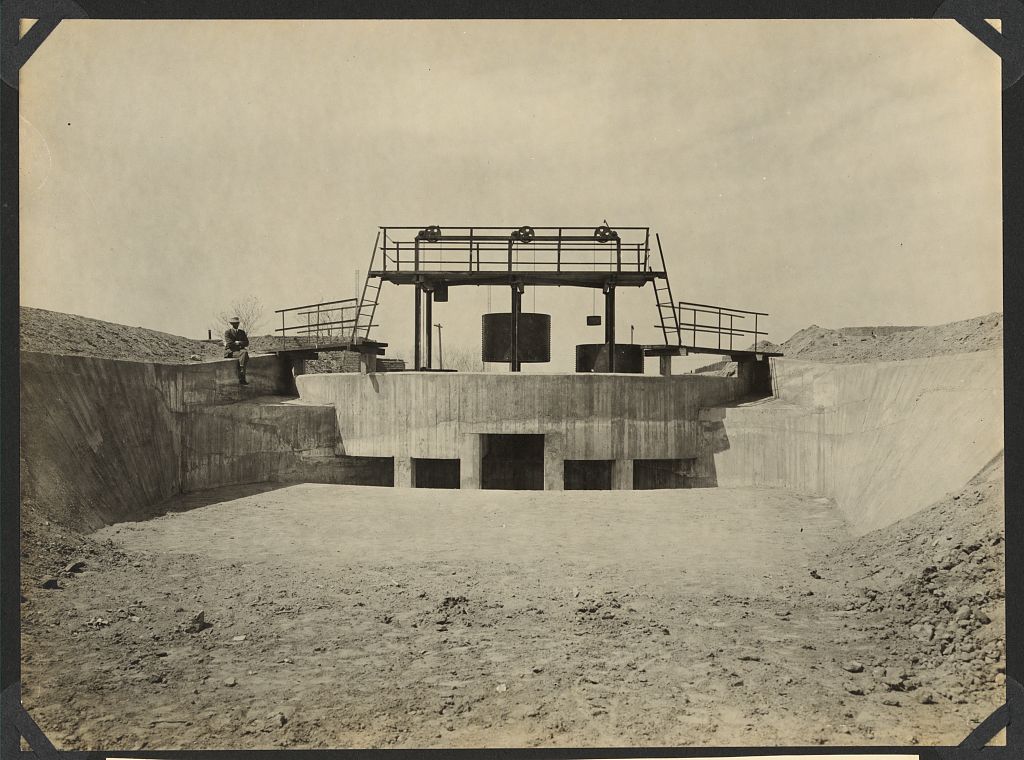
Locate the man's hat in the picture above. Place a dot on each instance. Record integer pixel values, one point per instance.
(234, 319)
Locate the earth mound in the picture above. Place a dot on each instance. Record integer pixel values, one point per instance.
(53, 332)
(938, 577)
(895, 343)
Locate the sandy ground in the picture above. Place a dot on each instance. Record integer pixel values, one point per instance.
(459, 618)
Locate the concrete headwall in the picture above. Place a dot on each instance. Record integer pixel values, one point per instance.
(592, 416)
(884, 439)
(102, 441)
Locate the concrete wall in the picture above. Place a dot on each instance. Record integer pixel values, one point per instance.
(98, 438)
(584, 416)
(103, 441)
(884, 440)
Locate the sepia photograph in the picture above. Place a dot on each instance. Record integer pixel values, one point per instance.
(519, 384)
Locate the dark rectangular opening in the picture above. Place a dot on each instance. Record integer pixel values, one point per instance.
(662, 473)
(356, 471)
(435, 473)
(588, 474)
(512, 462)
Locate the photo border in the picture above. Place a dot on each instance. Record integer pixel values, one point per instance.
(15, 721)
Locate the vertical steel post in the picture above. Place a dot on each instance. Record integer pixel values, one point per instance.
(755, 332)
(719, 328)
(430, 329)
(517, 307)
(609, 325)
(558, 252)
(419, 331)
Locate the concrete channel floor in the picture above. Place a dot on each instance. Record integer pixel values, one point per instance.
(344, 616)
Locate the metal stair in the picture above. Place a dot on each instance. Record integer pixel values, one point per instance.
(369, 299)
(667, 314)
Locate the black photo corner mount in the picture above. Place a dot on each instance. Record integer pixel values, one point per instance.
(14, 715)
(17, 49)
(1007, 43)
(1010, 716)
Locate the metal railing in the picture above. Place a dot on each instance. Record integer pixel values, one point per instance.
(714, 324)
(495, 249)
(328, 323)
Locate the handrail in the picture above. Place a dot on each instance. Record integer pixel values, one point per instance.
(719, 329)
(315, 325)
(311, 305)
(332, 309)
(504, 227)
(556, 249)
(721, 308)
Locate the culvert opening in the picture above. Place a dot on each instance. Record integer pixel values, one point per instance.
(588, 474)
(650, 474)
(512, 462)
(435, 473)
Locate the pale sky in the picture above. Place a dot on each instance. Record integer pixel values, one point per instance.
(830, 172)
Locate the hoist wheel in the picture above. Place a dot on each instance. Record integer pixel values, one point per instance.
(524, 234)
(604, 233)
(431, 234)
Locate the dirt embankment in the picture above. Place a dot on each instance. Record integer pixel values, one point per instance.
(880, 343)
(883, 344)
(932, 587)
(53, 332)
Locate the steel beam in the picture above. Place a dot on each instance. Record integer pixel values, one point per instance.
(430, 328)
(418, 334)
(609, 325)
(517, 308)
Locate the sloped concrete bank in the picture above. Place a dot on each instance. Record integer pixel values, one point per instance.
(103, 441)
(884, 440)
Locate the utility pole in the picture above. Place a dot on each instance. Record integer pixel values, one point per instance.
(440, 350)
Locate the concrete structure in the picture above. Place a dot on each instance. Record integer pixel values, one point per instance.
(413, 416)
(884, 439)
(103, 441)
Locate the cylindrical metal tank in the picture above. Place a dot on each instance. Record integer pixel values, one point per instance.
(534, 337)
(593, 357)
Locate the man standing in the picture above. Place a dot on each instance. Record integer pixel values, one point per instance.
(235, 344)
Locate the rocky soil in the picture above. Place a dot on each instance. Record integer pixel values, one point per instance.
(931, 588)
(865, 344)
(54, 332)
